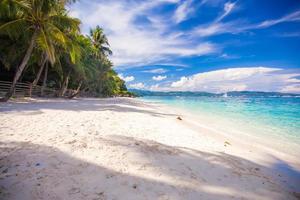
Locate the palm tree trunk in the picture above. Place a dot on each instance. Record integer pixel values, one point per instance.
(64, 85)
(20, 69)
(36, 80)
(77, 90)
(45, 80)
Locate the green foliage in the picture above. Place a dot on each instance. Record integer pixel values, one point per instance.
(83, 60)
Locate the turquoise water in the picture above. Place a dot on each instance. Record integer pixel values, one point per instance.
(277, 117)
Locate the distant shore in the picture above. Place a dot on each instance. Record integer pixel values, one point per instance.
(125, 148)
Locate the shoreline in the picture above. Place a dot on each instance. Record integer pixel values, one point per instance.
(138, 146)
(231, 131)
(256, 148)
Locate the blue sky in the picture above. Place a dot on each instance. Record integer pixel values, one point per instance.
(200, 45)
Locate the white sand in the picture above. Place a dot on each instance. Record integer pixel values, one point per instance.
(126, 149)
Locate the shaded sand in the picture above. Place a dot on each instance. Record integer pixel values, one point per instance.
(126, 149)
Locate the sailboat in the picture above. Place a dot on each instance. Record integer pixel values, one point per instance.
(225, 95)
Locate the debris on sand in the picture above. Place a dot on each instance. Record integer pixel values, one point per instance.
(226, 143)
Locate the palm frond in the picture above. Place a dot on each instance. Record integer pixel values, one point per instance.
(13, 28)
(22, 4)
(64, 22)
(58, 37)
(45, 45)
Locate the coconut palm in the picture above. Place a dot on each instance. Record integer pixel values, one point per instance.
(100, 43)
(44, 22)
(42, 64)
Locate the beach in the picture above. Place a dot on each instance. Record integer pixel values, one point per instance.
(126, 148)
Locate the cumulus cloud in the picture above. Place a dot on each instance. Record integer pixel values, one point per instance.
(137, 86)
(158, 87)
(240, 79)
(291, 89)
(126, 78)
(159, 78)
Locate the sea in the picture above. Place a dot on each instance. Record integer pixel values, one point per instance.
(261, 115)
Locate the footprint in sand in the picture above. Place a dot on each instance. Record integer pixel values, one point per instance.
(74, 191)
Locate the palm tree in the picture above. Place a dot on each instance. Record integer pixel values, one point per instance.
(100, 43)
(44, 22)
(71, 60)
(42, 64)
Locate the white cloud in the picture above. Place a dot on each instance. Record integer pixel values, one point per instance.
(182, 11)
(225, 55)
(136, 43)
(217, 27)
(295, 16)
(172, 64)
(291, 34)
(228, 8)
(238, 79)
(137, 86)
(126, 78)
(159, 87)
(211, 2)
(159, 78)
(213, 29)
(156, 71)
(291, 89)
(139, 36)
(155, 87)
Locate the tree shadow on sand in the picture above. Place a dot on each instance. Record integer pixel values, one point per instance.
(79, 105)
(158, 171)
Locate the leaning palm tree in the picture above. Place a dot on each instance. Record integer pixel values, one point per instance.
(44, 22)
(100, 43)
(70, 61)
(41, 64)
